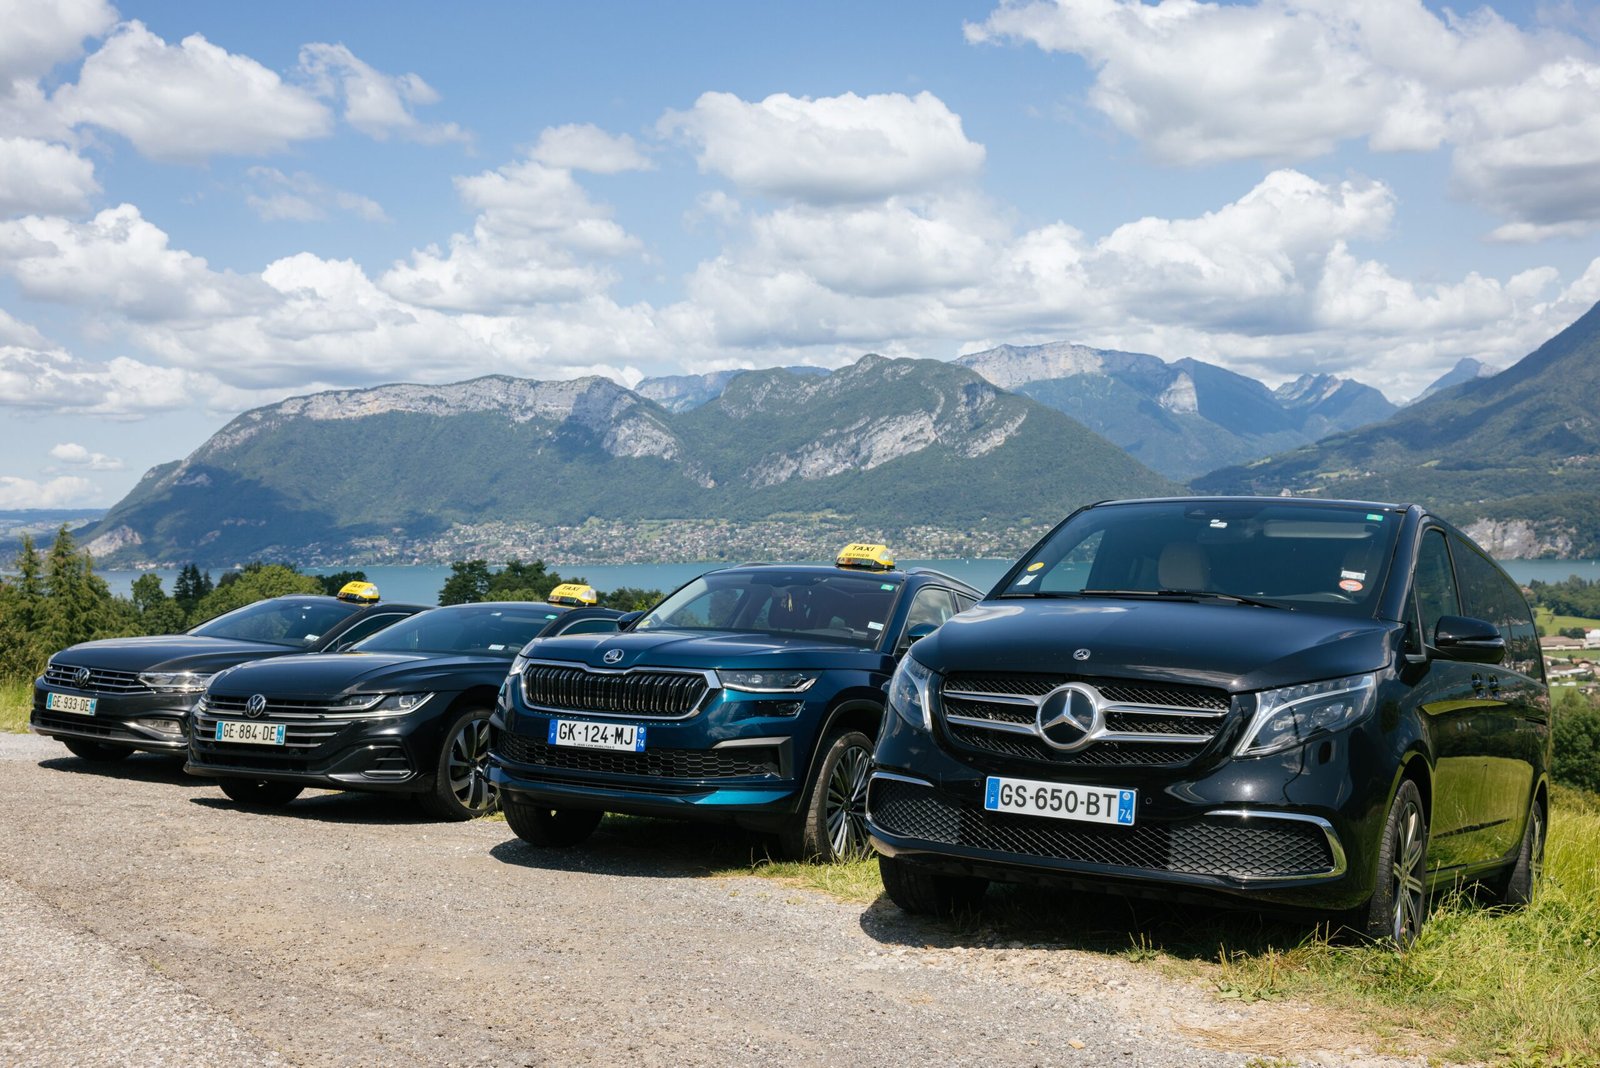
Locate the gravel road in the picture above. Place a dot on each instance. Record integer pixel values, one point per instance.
(146, 920)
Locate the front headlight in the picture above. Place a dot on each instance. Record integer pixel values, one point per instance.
(1295, 715)
(174, 681)
(768, 681)
(909, 692)
(378, 704)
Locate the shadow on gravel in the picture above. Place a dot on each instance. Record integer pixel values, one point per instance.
(640, 846)
(1012, 916)
(141, 767)
(345, 807)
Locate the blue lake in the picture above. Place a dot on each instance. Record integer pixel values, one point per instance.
(420, 584)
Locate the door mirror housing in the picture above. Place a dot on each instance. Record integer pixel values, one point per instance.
(627, 619)
(914, 635)
(1473, 641)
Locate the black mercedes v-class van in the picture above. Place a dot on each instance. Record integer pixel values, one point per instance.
(1331, 705)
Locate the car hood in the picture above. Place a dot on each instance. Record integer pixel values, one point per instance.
(168, 652)
(330, 674)
(1232, 647)
(703, 649)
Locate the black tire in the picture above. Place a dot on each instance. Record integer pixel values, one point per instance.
(1523, 878)
(550, 828)
(461, 786)
(96, 752)
(260, 793)
(929, 893)
(1399, 903)
(832, 821)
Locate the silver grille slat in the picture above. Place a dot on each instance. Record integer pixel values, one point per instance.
(1173, 715)
(101, 680)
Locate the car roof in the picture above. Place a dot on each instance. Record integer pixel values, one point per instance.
(904, 574)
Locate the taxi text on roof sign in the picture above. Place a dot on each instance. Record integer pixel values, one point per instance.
(573, 593)
(359, 592)
(864, 555)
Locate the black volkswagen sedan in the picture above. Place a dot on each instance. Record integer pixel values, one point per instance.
(1330, 705)
(106, 699)
(405, 711)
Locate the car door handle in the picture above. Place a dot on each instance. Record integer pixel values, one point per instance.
(1477, 684)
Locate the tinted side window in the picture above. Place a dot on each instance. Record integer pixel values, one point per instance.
(1435, 585)
(932, 605)
(590, 626)
(1487, 594)
(369, 626)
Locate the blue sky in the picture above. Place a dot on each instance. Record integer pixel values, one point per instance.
(205, 208)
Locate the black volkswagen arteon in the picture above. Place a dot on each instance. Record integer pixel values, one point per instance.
(1329, 705)
(106, 699)
(405, 711)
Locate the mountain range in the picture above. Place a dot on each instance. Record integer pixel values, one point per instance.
(1513, 456)
(399, 472)
(971, 457)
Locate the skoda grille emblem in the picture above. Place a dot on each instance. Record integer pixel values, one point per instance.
(1080, 654)
(1068, 716)
(612, 656)
(81, 678)
(256, 705)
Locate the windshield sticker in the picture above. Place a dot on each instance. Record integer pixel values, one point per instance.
(1357, 575)
(496, 648)
(887, 586)
(874, 626)
(1374, 517)
(1025, 579)
(1036, 565)
(312, 637)
(1219, 524)
(1350, 585)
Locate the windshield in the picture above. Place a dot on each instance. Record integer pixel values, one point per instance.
(468, 629)
(280, 621)
(1322, 557)
(841, 606)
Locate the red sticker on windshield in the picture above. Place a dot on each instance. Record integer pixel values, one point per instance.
(1350, 585)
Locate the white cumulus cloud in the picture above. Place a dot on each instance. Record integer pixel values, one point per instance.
(62, 492)
(377, 104)
(187, 101)
(828, 150)
(585, 147)
(41, 33)
(70, 452)
(1199, 83)
(300, 197)
(36, 176)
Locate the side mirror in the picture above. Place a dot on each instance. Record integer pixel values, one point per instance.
(1473, 641)
(914, 635)
(627, 619)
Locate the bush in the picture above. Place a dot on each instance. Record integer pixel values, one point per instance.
(1577, 742)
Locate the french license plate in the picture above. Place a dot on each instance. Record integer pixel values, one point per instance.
(1059, 800)
(230, 730)
(66, 702)
(627, 737)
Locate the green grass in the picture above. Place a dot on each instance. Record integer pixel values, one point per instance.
(1513, 987)
(16, 701)
(1550, 625)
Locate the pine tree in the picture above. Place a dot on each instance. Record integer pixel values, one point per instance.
(468, 583)
(22, 650)
(78, 606)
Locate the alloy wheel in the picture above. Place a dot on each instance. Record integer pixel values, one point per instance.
(1410, 895)
(469, 767)
(846, 805)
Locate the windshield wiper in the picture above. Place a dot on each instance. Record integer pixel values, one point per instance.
(1212, 595)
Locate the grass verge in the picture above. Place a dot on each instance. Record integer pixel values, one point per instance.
(1513, 987)
(16, 702)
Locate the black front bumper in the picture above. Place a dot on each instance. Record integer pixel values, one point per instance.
(156, 722)
(389, 755)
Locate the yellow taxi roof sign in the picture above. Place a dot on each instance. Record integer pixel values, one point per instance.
(359, 592)
(871, 557)
(574, 593)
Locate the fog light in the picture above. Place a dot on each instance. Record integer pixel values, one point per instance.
(173, 727)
